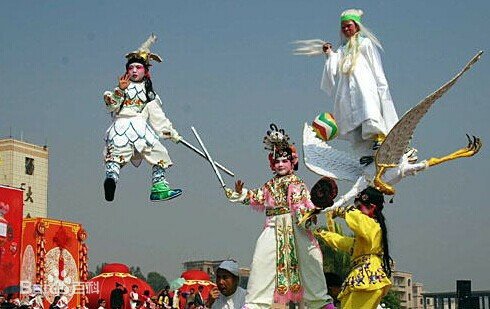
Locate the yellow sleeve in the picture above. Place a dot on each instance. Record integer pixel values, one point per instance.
(362, 225)
(337, 241)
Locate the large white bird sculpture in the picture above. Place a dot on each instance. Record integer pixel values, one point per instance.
(394, 159)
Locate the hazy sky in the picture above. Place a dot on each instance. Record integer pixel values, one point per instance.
(229, 71)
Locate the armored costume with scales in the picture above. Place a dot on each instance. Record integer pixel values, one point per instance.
(138, 123)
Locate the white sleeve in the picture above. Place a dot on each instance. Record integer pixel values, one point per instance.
(413, 169)
(235, 197)
(158, 120)
(404, 169)
(389, 113)
(361, 184)
(330, 72)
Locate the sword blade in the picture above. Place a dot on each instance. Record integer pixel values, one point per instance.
(208, 156)
(199, 152)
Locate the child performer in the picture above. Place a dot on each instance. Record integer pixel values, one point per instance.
(368, 280)
(354, 77)
(287, 263)
(138, 123)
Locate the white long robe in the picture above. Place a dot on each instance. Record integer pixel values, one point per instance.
(284, 192)
(362, 98)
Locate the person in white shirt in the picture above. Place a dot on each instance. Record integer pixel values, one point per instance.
(227, 294)
(134, 296)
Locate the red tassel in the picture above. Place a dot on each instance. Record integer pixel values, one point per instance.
(61, 266)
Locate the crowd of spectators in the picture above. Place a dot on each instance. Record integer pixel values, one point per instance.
(226, 294)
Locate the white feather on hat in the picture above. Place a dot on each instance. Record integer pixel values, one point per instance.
(144, 52)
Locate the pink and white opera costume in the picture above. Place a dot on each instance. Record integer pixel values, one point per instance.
(287, 263)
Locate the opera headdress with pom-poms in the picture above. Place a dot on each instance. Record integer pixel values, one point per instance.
(277, 143)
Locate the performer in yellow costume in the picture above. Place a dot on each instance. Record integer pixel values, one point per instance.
(368, 280)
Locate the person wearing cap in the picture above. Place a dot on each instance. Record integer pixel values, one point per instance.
(354, 77)
(287, 264)
(117, 296)
(368, 280)
(138, 123)
(227, 294)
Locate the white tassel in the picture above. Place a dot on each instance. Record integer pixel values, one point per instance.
(147, 44)
(309, 47)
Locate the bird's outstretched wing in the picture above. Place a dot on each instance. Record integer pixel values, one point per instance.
(398, 138)
(324, 160)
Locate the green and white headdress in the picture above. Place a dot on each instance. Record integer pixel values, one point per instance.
(352, 14)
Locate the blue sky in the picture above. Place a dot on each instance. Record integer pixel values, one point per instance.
(229, 71)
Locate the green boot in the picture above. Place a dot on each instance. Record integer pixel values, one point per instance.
(160, 191)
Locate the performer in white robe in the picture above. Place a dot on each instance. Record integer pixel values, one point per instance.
(354, 77)
(287, 263)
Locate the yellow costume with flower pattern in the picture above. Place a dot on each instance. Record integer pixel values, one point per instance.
(367, 281)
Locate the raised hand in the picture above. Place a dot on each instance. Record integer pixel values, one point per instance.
(238, 186)
(124, 81)
(327, 48)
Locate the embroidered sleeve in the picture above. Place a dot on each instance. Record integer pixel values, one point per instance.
(113, 99)
(301, 205)
(254, 198)
(236, 197)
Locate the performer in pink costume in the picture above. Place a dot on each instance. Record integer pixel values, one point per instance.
(297, 274)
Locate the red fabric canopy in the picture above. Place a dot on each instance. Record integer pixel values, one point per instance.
(102, 285)
(195, 274)
(193, 279)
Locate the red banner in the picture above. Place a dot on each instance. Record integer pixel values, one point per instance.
(11, 208)
(54, 258)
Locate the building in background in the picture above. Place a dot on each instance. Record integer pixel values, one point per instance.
(463, 298)
(24, 165)
(409, 292)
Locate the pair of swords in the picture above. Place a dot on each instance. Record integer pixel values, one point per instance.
(215, 165)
